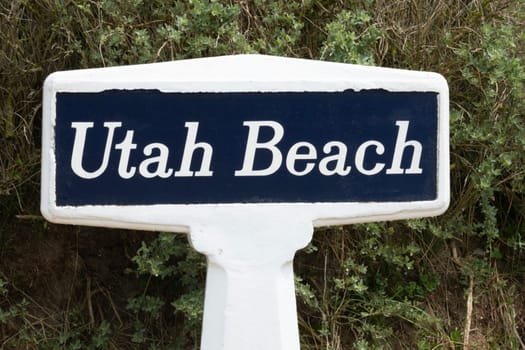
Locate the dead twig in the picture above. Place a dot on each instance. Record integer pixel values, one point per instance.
(468, 317)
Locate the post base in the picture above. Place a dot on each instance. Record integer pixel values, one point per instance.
(250, 294)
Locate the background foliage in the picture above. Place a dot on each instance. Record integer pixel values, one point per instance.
(451, 282)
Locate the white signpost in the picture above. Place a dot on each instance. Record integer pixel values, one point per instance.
(246, 154)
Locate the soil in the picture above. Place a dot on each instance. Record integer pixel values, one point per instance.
(57, 267)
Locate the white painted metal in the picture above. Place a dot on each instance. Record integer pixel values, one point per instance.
(250, 302)
(239, 73)
(250, 295)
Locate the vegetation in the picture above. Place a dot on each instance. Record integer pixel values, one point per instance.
(450, 282)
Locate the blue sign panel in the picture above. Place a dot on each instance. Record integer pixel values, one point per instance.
(144, 147)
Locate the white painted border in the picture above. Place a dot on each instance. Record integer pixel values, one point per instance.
(249, 73)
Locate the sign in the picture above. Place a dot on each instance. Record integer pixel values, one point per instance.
(145, 147)
(245, 154)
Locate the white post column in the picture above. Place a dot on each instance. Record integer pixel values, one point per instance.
(250, 294)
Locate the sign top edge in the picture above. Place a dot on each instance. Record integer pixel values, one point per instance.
(246, 73)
